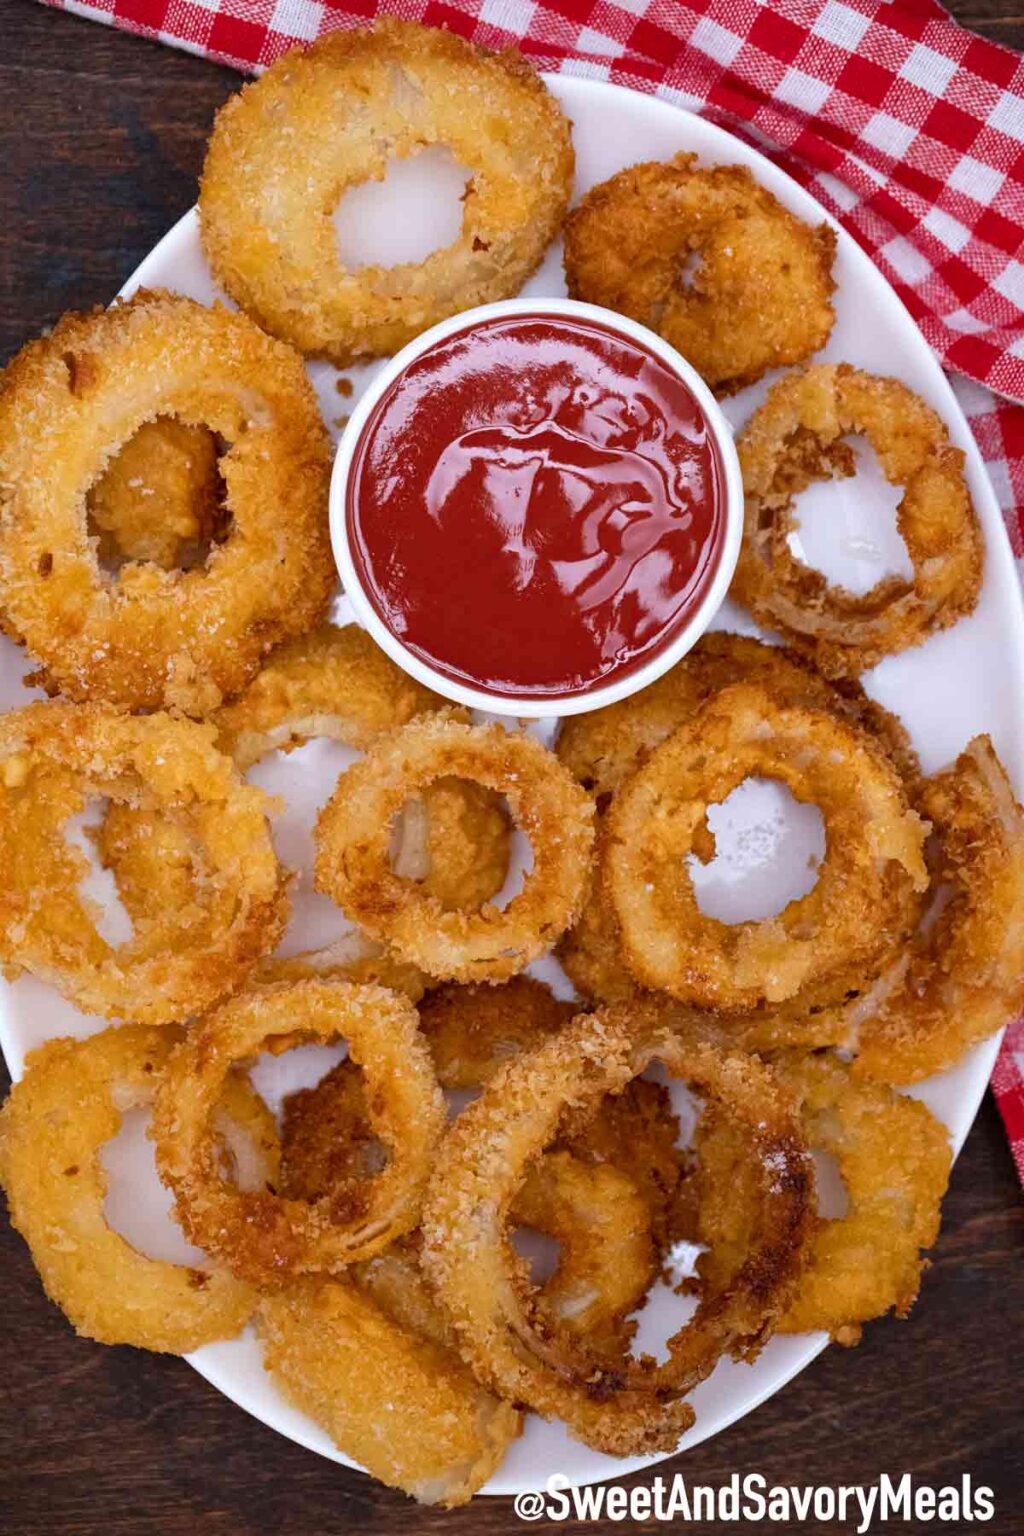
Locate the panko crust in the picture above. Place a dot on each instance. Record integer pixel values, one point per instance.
(760, 296)
(353, 836)
(53, 758)
(320, 120)
(156, 638)
(53, 1128)
(797, 436)
(269, 1238)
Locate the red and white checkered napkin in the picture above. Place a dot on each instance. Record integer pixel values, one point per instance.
(909, 129)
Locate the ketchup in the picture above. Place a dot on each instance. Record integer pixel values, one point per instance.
(535, 506)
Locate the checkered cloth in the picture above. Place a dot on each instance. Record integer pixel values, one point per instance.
(909, 129)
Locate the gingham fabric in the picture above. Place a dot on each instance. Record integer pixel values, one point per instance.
(908, 128)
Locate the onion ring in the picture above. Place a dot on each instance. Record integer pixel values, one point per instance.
(962, 976)
(159, 497)
(598, 1214)
(894, 1158)
(760, 297)
(52, 1128)
(333, 682)
(159, 869)
(796, 437)
(862, 904)
(336, 683)
(158, 638)
(353, 836)
(53, 757)
(401, 1404)
(606, 746)
(265, 1237)
(607, 1257)
(288, 145)
(637, 1406)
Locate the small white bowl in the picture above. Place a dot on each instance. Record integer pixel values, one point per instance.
(547, 706)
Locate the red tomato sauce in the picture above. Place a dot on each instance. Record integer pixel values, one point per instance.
(536, 506)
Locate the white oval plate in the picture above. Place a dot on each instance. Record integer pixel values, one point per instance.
(966, 680)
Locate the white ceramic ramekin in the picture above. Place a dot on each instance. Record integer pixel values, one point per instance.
(547, 706)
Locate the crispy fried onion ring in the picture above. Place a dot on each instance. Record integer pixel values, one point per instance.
(599, 1214)
(962, 975)
(157, 638)
(159, 498)
(864, 900)
(354, 829)
(454, 838)
(285, 149)
(472, 1031)
(334, 682)
(633, 1406)
(159, 869)
(53, 757)
(760, 295)
(796, 437)
(401, 1403)
(604, 747)
(607, 1257)
(52, 1130)
(263, 1236)
(894, 1159)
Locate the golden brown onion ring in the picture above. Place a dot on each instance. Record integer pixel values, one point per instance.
(400, 1403)
(864, 900)
(962, 975)
(599, 1215)
(52, 1130)
(638, 1406)
(797, 436)
(287, 147)
(263, 1236)
(894, 1159)
(336, 683)
(760, 295)
(53, 757)
(604, 747)
(353, 836)
(156, 638)
(607, 1258)
(159, 498)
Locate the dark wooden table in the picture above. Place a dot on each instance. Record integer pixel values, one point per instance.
(101, 138)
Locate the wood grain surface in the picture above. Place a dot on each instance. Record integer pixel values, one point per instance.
(101, 138)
